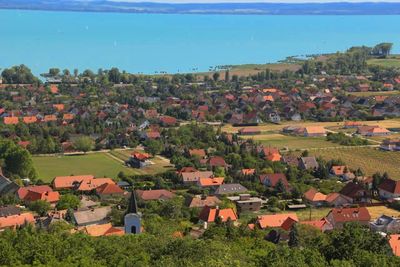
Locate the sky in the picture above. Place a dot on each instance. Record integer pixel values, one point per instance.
(254, 1)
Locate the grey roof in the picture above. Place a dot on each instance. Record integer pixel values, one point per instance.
(91, 216)
(7, 186)
(309, 162)
(9, 211)
(230, 189)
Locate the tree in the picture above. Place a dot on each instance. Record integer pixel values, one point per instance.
(41, 207)
(216, 76)
(83, 144)
(293, 237)
(18, 74)
(16, 160)
(382, 49)
(68, 201)
(153, 146)
(227, 76)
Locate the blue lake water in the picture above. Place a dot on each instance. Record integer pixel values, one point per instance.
(177, 43)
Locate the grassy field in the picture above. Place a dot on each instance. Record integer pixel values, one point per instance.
(390, 62)
(368, 159)
(98, 164)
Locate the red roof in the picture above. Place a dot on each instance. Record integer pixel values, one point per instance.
(160, 194)
(61, 182)
(108, 189)
(274, 178)
(16, 220)
(90, 184)
(58, 107)
(23, 191)
(313, 195)
(217, 161)
(391, 186)
(10, 120)
(350, 214)
(197, 152)
(168, 120)
(209, 214)
(394, 243)
(29, 119)
(50, 196)
(248, 171)
(140, 156)
(68, 116)
(211, 181)
(48, 118)
(276, 220)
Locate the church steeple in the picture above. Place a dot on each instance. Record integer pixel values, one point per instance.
(132, 206)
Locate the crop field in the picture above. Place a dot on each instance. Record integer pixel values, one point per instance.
(291, 142)
(98, 164)
(269, 127)
(378, 93)
(370, 160)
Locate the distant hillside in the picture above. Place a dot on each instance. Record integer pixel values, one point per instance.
(222, 8)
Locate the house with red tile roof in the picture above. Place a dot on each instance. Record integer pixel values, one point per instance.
(314, 131)
(394, 242)
(352, 124)
(39, 192)
(315, 198)
(217, 161)
(58, 107)
(102, 230)
(29, 119)
(284, 221)
(272, 180)
(69, 182)
(201, 201)
(337, 200)
(139, 160)
(337, 217)
(159, 194)
(10, 120)
(49, 118)
(372, 131)
(356, 192)
(209, 215)
(389, 189)
(68, 116)
(168, 121)
(247, 172)
(108, 190)
(249, 131)
(92, 184)
(200, 153)
(210, 182)
(54, 88)
(15, 221)
(323, 225)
